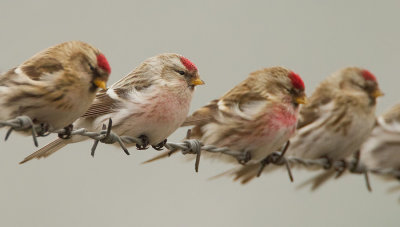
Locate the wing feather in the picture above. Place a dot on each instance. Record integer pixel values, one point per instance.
(203, 115)
(108, 101)
(311, 112)
(103, 104)
(38, 67)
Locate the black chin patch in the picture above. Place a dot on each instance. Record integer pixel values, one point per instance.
(93, 88)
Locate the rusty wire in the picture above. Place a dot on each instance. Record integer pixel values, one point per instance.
(192, 146)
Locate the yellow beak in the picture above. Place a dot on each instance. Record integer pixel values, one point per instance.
(100, 83)
(196, 81)
(377, 93)
(301, 99)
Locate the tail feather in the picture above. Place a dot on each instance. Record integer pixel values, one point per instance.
(244, 173)
(46, 150)
(248, 172)
(225, 173)
(318, 180)
(393, 189)
(158, 157)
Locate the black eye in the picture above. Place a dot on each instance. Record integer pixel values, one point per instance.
(291, 91)
(181, 72)
(91, 67)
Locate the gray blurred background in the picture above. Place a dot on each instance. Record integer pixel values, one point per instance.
(226, 40)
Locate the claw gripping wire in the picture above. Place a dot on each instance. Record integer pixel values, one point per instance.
(192, 146)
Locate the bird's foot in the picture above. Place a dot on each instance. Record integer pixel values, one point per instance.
(329, 162)
(67, 133)
(145, 142)
(263, 163)
(341, 168)
(159, 147)
(274, 158)
(44, 130)
(244, 157)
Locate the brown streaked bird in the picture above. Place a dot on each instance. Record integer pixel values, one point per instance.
(151, 102)
(257, 116)
(334, 124)
(55, 86)
(382, 148)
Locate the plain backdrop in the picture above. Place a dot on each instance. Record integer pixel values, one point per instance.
(226, 40)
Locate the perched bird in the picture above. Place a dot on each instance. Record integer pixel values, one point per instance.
(256, 117)
(336, 121)
(382, 148)
(151, 102)
(55, 86)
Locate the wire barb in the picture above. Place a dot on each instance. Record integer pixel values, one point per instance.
(193, 146)
(108, 137)
(277, 158)
(21, 123)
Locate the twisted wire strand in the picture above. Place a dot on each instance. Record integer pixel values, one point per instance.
(192, 146)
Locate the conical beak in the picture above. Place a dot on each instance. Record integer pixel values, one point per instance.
(301, 99)
(377, 93)
(100, 83)
(196, 81)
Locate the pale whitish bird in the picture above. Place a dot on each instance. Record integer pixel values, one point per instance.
(337, 120)
(382, 148)
(151, 102)
(257, 116)
(55, 86)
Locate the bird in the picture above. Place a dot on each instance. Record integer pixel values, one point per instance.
(55, 86)
(255, 117)
(334, 123)
(382, 148)
(150, 103)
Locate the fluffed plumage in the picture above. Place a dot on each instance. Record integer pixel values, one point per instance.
(336, 121)
(152, 101)
(55, 86)
(382, 148)
(256, 116)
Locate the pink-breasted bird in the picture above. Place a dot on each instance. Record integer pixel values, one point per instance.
(334, 123)
(151, 102)
(55, 86)
(256, 117)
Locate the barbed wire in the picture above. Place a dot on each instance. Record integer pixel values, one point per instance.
(193, 146)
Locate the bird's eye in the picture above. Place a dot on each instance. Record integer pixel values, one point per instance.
(91, 67)
(181, 72)
(291, 91)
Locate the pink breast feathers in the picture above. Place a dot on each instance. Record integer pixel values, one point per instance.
(282, 120)
(169, 108)
(284, 117)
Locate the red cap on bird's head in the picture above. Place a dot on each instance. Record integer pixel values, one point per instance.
(368, 75)
(103, 63)
(188, 64)
(297, 82)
